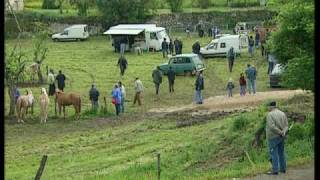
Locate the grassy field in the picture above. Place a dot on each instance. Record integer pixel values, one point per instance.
(126, 148)
(81, 61)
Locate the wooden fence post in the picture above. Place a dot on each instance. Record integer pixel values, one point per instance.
(158, 157)
(41, 168)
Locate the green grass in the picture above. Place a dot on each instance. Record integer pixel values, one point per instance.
(80, 60)
(127, 150)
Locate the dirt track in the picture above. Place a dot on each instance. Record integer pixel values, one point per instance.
(223, 103)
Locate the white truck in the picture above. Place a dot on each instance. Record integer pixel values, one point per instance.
(75, 32)
(145, 36)
(219, 47)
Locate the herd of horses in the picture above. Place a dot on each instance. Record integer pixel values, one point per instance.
(24, 102)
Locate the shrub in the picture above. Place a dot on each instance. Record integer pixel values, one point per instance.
(49, 4)
(203, 4)
(175, 5)
(240, 123)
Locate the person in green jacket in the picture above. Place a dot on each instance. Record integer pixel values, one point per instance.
(276, 130)
(157, 78)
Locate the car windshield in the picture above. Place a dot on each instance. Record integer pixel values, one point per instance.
(277, 69)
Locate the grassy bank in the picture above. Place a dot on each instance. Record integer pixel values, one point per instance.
(126, 148)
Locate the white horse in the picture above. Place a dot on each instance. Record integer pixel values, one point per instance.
(22, 105)
(44, 105)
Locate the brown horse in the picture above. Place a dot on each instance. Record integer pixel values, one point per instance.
(22, 105)
(64, 99)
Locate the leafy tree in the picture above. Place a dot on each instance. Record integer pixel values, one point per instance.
(204, 4)
(293, 43)
(125, 11)
(14, 67)
(60, 4)
(82, 6)
(175, 5)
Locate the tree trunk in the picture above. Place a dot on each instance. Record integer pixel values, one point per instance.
(40, 76)
(11, 91)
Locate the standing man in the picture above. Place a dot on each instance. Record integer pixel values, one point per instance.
(199, 86)
(251, 74)
(116, 98)
(257, 38)
(51, 80)
(196, 47)
(250, 46)
(171, 78)
(157, 79)
(123, 42)
(138, 87)
(94, 97)
(276, 130)
(123, 96)
(61, 79)
(271, 62)
(122, 63)
(171, 47)
(176, 45)
(164, 46)
(16, 94)
(180, 46)
(231, 56)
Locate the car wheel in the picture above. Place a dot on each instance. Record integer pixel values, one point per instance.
(78, 39)
(55, 40)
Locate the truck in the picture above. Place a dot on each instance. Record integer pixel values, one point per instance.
(144, 36)
(220, 47)
(75, 32)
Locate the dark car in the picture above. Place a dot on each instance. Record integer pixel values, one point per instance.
(275, 76)
(183, 64)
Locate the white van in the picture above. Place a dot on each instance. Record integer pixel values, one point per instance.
(75, 32)
(146, 36)
(220, 47)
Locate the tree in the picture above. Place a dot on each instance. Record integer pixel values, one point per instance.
(125, 11)
(14, 68)
(39, 53)
(60, 5)
(82, 6)
(175, 5)
(293, 43)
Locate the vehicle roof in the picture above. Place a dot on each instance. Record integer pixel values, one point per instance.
(186, 55)
(77, 26)
(229, 36)
(133, 28)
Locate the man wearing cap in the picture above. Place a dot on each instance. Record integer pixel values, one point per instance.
(94, 97)
(276, 130)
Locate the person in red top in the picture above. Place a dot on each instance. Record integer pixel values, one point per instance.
(243, 85)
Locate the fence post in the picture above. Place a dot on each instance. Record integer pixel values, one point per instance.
(41, 168)
(158, 157)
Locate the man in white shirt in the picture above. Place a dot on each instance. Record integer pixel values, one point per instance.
(138, 88)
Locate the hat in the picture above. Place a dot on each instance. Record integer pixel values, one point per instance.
(272, 104)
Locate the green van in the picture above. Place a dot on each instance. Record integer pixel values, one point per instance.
(183, 64)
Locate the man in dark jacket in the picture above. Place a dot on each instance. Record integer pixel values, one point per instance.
(196, 47)
(171, 47)
(123, 64)
(231, 56)
(164, 46)
(176, 45)
(94, 97)
(171, 78)
(61, 79)
(250, 46)
(199, 86)
(157, 78)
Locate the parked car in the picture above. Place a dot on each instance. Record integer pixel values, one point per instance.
(76, 32)
(185, 64)
(219, 47)
(275, 76)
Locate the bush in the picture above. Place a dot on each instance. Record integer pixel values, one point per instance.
(204, 4)
(240, 122)
(49, 4)
(175, 5)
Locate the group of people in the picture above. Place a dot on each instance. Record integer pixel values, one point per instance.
(171, 47)
(244, 83)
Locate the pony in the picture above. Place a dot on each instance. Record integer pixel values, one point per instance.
(22, 105)
(44, 105)
(64, 99)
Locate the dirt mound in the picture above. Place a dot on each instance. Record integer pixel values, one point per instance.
(223, 103)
